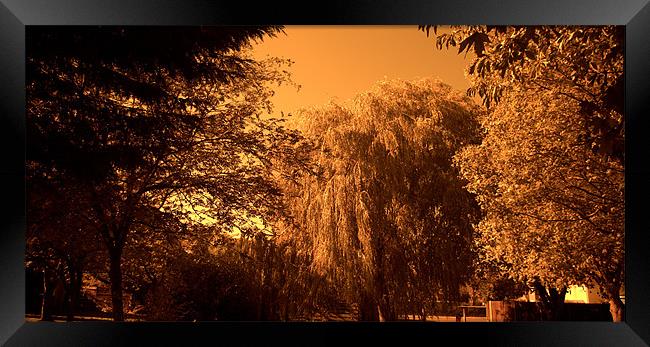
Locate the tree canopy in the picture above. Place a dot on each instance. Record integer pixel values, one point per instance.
(549, 172)
(143, 125)
(387, 219)
(563, 204)
(582, 63)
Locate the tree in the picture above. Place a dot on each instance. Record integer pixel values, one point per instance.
(387, 220)
(582, 63)
(583, 68)
(206, 286)
(59, 238)
(553, 209)
(157, 239)
(490, 283)
(168, 119)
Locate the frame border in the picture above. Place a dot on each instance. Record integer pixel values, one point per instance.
(16, 14)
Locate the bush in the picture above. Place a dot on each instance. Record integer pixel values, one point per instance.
(217, 288)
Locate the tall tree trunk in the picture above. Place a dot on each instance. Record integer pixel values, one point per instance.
(67, 302)
(69, 293)
(286, 310)
(47, 294)
(74, 291)
(385, 311)
(261, 298)
(77, 289)
(115, 274)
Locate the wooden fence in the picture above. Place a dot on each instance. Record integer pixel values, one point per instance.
(514, 311)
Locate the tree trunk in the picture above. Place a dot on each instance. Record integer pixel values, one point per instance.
(552, 301)
(286, 310)
(77, 290)
(557, 303)
(616, 308)
(67, 302)
(385, 311)
(115, 274)
(47, 293)
(368, 309)
(74, 292)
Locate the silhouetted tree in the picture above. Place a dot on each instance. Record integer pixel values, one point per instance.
(163, 118)
(59, 237)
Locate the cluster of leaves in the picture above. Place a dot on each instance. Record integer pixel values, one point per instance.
(57, 225)
(490, 283)
(581, 63)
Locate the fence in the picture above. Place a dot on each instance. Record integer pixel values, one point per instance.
(512, 311)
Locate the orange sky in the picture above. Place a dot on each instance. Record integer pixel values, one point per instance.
(342, 61)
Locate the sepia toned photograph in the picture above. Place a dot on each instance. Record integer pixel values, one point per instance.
(325, 173)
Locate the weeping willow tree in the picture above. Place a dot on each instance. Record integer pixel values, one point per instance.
(387, 220)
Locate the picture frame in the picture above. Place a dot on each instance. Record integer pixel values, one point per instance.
(16, 14)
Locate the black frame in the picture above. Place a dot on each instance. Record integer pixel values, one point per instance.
(15, 14)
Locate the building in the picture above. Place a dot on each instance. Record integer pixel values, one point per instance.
(578, 294)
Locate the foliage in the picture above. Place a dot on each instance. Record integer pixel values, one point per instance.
(553, 209)
(387, 220)
(582, 63)
(490, 283)
(203, 288)
(59, 239)
(294, 290)
(549, 174)
(142, 125)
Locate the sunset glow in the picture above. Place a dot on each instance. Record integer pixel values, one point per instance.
(339, 62)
